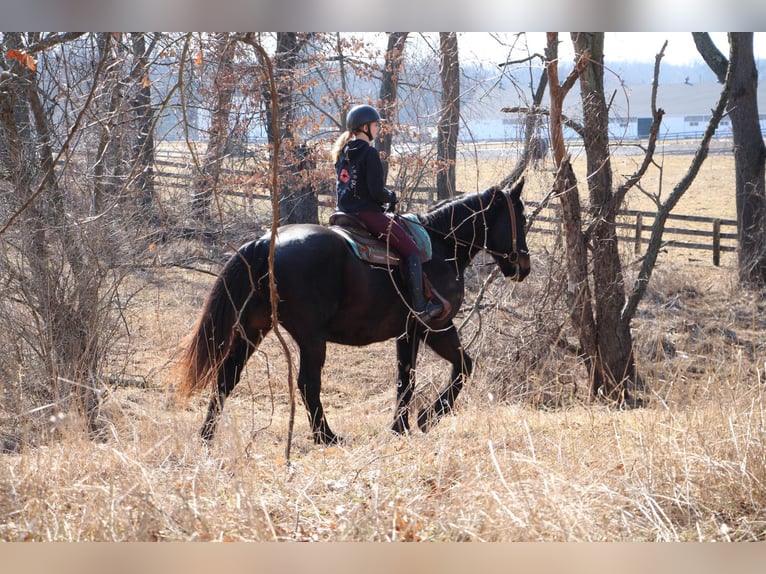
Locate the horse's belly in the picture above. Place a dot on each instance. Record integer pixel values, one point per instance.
(364, 330)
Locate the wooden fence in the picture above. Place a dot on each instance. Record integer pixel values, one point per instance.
(682, 231)
(176, 170)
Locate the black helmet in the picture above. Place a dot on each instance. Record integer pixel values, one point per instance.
(360, 115)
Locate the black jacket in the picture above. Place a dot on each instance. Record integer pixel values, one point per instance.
(360, 179)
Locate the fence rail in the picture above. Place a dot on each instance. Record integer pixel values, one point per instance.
(684, 231)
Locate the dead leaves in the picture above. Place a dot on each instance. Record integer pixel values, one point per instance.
(407, 528)
(23, 58)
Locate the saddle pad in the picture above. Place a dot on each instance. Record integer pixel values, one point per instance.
(374, 250)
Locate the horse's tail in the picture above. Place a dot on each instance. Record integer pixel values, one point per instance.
(209, 344)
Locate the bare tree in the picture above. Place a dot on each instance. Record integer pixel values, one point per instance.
(749, 148)
(55, 270)
(600, 310)
(224, 80)
(449, 120)
(389, 86)
(579, 293)
(143, 148)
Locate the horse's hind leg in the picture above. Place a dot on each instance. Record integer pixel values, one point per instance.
(228, 376)
(447, 345)
(406, 353)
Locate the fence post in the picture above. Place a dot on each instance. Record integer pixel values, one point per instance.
(716, 242)
(639, 230)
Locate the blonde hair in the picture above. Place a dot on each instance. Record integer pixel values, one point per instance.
(339, 144)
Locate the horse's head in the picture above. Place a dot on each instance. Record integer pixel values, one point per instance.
(507, 238)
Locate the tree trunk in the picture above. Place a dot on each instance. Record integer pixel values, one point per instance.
(749, 148)
(613, 367)
(579, 296)
(449, 121)
(749, 160)
(107, 164)
(223, 91)
(143, 149)
(388, 94)
(298, 202)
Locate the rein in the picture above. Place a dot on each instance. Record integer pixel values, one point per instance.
(513, 256)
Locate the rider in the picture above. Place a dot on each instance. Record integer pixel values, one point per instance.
(361, 191)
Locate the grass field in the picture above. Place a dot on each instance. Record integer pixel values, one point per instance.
(526, 457)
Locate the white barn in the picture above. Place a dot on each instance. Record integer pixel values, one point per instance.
(687, 109)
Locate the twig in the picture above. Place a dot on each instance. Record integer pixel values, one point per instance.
(266, 61)
(65, 147)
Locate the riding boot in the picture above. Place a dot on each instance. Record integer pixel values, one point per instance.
(424, 310)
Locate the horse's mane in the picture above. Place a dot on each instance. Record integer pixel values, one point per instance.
(445, 215)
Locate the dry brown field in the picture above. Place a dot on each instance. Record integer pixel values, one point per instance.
(525, 457)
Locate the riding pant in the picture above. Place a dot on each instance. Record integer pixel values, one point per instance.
(384, 225)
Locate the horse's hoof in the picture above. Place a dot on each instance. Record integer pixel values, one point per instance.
(328, 439)
(401, 425)
(630, 403)
(400, 431)
(426, 420)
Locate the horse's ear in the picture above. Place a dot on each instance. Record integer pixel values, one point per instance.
(516, 190)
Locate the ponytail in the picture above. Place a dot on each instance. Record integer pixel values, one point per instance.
(339, 144)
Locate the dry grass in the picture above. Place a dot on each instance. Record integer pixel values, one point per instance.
(689, 467)
(525, 457)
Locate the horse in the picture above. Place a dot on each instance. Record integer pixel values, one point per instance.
(328, 294)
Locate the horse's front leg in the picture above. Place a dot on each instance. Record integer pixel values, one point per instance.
(313, 355)
(406, 355)
(447, 345)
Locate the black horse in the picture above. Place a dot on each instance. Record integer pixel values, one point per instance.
(327, 294)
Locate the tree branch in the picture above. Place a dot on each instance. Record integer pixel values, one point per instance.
(657, 115)
(713, 57)
(568, 122)
(522, 61)
(269, 71)
(655, 241)
(53, 40)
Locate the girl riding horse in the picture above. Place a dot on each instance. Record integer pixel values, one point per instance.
(361, 191)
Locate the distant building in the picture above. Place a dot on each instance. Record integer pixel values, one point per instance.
(687, 106)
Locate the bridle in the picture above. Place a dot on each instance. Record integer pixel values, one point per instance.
(513, 256)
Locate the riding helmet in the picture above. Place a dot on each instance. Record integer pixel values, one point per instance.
(360, 115)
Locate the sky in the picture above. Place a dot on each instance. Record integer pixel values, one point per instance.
(618, 46)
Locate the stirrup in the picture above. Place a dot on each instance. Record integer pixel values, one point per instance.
(431, 311)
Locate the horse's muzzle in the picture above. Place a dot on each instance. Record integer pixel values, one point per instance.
(519, 268)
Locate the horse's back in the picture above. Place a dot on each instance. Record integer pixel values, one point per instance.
(307, 249)
(326, 292)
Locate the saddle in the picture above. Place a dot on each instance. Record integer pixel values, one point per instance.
(372, 249)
